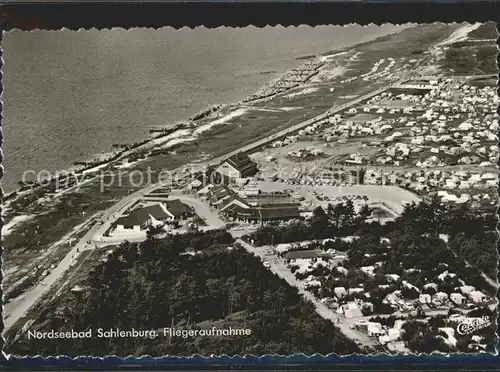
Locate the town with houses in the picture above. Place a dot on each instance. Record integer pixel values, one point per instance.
(431, 137)
(365, 210)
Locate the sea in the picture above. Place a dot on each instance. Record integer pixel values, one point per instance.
(69, 95)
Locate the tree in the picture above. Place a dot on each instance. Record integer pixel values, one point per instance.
(335, 212)
(409, 293)
(356, 254)
(363, 214)
(436, 322)
(319, 222)
(348, 209)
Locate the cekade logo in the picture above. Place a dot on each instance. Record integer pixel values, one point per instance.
(471, 325)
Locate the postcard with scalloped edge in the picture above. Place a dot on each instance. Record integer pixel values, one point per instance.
(251, 191)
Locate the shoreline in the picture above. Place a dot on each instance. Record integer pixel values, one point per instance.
(312, 66)
(31, 294)
(91, 161)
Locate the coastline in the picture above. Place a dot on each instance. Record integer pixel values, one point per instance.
(210, 110)
(312, 66)
(73, 230)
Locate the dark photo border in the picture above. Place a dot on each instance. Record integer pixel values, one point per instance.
(86, 15)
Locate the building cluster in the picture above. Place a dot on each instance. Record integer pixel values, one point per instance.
(240, 204)
(344, 128)
(388, 336)
(437, 297)
(428, 124)
(155, 214)
(306, 153)
(256, 207)
(458, 186)
(445, 123)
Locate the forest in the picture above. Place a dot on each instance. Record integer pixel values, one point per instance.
(200, 280)
(426, 240)
(192, 281)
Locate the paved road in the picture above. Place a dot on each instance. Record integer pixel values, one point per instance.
(19, 307)
(278, 267)
(274, 137)
(202, 209)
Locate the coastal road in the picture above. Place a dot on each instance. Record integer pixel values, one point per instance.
(18, 308)
(278, 267)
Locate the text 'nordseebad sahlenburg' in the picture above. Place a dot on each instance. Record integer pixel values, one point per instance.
(134, 333)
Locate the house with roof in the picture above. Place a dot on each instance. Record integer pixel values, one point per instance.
(393, 334)
(457, 299)
(477, 296)
(178, 210)
(473, 179)
(219, 196)
(429, 286)
(467, 289)
(340, 292)
(237, 166)
(368, 270)
(441, 296)
(195, 185)
(374, 329)
(292, 256)
(410, 286)
(424, 298)
(354, 291)
(464, 198)
(397, 347)
(153, 215)
(443, 276)
(205, 190)
(342, 270)
(488, 176)
(350, 310)
(264, 213)
(464, 185)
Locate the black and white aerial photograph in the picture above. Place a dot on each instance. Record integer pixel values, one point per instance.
(250, 191)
